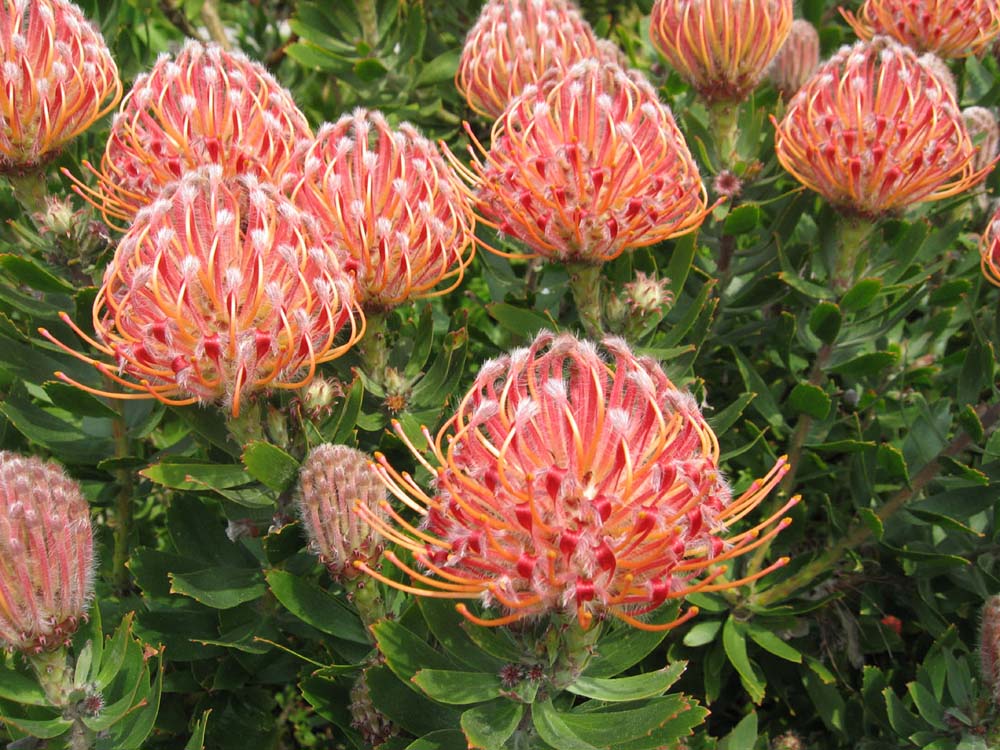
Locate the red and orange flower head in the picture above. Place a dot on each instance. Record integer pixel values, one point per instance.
(204, 106)
(721, 47)
(989, 249)
(565, 483)
(220, 289)
(796, 60)
(587, 164)
(57, 77)
(948, 28)
(46, 554)
(514, 43)
(388, 200)
(874, 131)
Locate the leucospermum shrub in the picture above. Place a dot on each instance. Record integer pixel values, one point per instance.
(518, 374)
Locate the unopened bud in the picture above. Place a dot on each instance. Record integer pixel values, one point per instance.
(940, 70)
(334, 481)
(648, 294)
(277, 427)
(985, 133)
(319, 397)
(59, 217)
(787, 741)
(46, 554)
(398, 390)
(989, 648)
(374, 726)
(797, 58)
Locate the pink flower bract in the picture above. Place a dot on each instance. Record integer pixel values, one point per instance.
(568, 483)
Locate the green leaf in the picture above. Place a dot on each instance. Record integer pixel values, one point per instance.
(625, 646)
(452, 631)
(406, 706)
(43, 729)
(405, 652)
(870, 519)
(490, 726)
(648, 685)
(185, 475)
(768, 641)
(826, 699)
(68, 441)
(950, 292)
(735, 645)
(860, 295)
(904, 722)
(930, 709)
(977, 371)
(270, 465)
(442, 68)
(809, 399)
(702, 633)
(971, 423)
(444, 739)
(743, 736)
(221, 587)
(742, 219)
(21, 686)
(29, 272)
(764, 402)
(681, 259)
(552, 728)
(197, 741)
(657, 722)
(825, 321)
(723, 420)
(458, 688)
(315, 606)
(517, 320)
(865, 364)
(891, 459)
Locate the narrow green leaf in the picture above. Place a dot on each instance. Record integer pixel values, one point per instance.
(872, 521)
(891, 459)
(185, 475)
(21, 687)
(442, 68)
(517, 320)
(764, 403)
(451, 631)
(866, 364)
(648, 685)
(702, 633)
(270, 465)
(31, 273)
(444, 739)
(197, 741)
(315, 606)
(734, 642)
(551, 727)
(458, 688)
(809, 399)
(904, 722)
(490, 726)
(657, 722)
(977, 371)
(220, 588)
(723, 420)
(930, 709)
(625, 646)
(743, 736)
(681, 259)
(405, 652)
(768, 641)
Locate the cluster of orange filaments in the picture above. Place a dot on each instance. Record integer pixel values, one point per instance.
(388, 200)
(56, 77)
(587, 164)
(989, 250)
(875, 131)
(204, 106)
(220, 289)
(721, 47)
(514, 43)
(565, 484)
(46, 554)
(948, 28)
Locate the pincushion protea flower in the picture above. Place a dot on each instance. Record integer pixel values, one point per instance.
(948, 28)
(57, 78)
(514, 43)
(219, 289)
(389, 201)
(721, 47)
(874, 131)
(564, 483)
(989, 648)
(797, 59)
(989, 249)
(586, 165)
(333, 479)
(46, 554)
(204, 106)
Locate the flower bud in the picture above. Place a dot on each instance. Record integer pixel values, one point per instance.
(374, 726)
(46, 554)
(797, 58)
(985, 134)
(648, 294)
(333, 481)
(989, 647)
